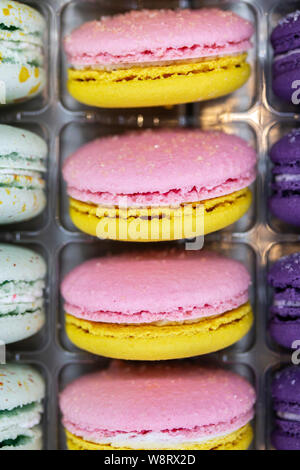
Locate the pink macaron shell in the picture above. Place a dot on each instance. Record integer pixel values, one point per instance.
(168, 398)
(159, 167)
(158, 35)
(132, 288)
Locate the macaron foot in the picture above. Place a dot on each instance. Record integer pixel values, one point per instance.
(238, 440)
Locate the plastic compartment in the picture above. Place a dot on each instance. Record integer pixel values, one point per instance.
(71, 372)
(76, 13)
(75, 253)
(76, 134)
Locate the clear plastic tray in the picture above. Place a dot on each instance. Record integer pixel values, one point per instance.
(258, 239)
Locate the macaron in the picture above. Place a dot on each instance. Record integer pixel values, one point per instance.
(22, 69)
(22, 166)
(286, 404)
(157, 305)
(22, 281)
(158, 57)
(158, 185)
(158, 407)
(22, 390)
(285, 40)
(284, 277)
(285, 200)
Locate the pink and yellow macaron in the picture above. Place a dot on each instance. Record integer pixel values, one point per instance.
(157, 305)
(158, 57)
(158, 407)
(159, 185)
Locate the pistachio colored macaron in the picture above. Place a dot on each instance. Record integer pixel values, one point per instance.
(159, 185)
(22, 168)
(22, 282)
(22, 69)
(158, 407)
(158, 57)
(157, 305)
(22, 390)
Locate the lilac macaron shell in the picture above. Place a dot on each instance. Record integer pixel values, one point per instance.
(286, 44)
(284, 277)
(283, 84)
(286, 439)
(286, 399)
(286, 209)
(285, 272)
(284, 332)
(286, 63)
(286, 390)
(287, 149)
(286, 36)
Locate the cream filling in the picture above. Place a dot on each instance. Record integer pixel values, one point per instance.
(21, 307)
(21, 179)
(287, 177)
(157, 439)
(21, 53)
(19, 423)
(288, 416)
(21, 292)
(286, 303)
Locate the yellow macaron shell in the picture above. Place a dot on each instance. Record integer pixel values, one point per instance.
(160, 342)
(159, 85)
(237, 440)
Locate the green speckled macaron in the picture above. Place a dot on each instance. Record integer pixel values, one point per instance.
(22, 165)
(22, 282)
(22, 390)
(22, 72)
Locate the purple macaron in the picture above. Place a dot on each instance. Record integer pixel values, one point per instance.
(284, 277)
(286, 404)
(285, 40)
(285, 200)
